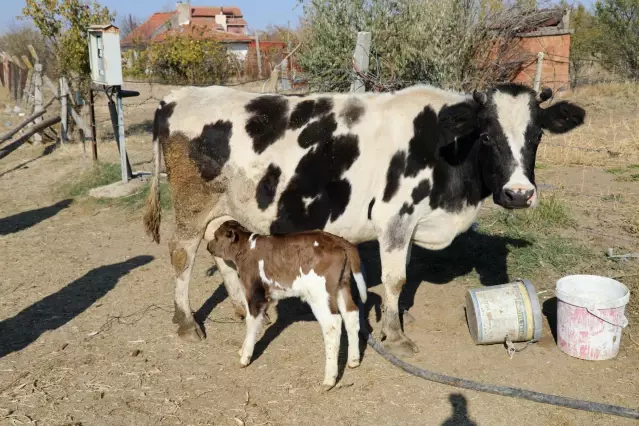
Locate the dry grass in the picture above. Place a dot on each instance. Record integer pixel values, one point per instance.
(610, 136)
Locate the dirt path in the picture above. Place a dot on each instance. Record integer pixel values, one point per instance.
(86, 334)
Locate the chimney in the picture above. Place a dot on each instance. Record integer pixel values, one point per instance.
(220, 19)
(184, 12)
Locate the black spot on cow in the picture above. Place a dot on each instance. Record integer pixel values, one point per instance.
(161, 120)
(370, 209)
(406, 209)
(318, 131)
(211, 150)
(323, 106)
(421, 191)
(306, 110)
(267, 187)
(301, 114)
(423, 146)
(352, 112)
(394, 173)
(317, 192)
(268, 120)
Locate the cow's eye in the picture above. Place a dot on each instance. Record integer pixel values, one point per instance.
(485, 138)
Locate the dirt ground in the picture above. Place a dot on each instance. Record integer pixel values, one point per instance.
(86, 306)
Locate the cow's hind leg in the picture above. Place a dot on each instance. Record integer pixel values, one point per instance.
(394, 278)
(183, 258)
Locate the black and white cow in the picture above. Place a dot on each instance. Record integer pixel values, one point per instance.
(406, 167)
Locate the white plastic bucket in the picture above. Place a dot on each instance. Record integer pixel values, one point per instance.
(504, 311)
(590, 316)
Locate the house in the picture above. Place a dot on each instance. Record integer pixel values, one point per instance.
(222, 23)
(543, 31)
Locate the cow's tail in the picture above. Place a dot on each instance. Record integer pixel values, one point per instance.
(352, 257)
(153, 215)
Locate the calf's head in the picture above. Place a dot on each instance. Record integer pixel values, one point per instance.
(508, 123)
(228, 240)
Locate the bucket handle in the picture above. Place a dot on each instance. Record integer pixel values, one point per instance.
(595, 312)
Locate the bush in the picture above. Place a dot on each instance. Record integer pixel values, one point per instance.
(449, 43)
(184, 59)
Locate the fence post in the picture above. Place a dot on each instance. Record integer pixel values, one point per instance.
(37, 97)
(14, 81)
(259, 56)
(5, 62)
(94, 136)
(540, 61)
(64, 112)
(361, 59)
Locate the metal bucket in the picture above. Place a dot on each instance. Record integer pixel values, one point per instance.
(504, 312)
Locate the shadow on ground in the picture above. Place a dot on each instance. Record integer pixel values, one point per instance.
(46, 151)
(459, 417)
(59, 308)
(25, 220)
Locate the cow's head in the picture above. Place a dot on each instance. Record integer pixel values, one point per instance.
(508, 123)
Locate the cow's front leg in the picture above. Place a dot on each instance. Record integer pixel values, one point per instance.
(183, 258)
(394, 278)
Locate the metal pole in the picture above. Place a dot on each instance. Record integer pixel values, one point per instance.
(259, 56)
(94, 139)
(113, 111)
(124, 160)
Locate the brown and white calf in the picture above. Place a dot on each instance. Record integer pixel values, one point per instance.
(315, 266)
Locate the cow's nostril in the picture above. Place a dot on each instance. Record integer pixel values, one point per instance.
(510, 194)
(529, 194)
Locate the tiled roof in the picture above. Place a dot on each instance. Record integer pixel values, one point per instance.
(211, 11)
(236, 21)
(205, 33)
(146, 30)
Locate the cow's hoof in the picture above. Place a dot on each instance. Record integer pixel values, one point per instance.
(402, 347)
(190, 332)
(408, 318)
(244, 362)
(354, 363)
(328, 385)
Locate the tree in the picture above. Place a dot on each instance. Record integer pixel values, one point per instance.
(619, 36)
(16, 40)
(128, 24)
(585, 43)
(64, 24)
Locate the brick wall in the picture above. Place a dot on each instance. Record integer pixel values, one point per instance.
(555, 69)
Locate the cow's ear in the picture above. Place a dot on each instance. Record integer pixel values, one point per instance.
(460, 119)
(562, 117)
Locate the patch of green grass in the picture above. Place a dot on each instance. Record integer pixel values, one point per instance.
(616, 170)
(550, 213)
(98, 175)
(541, 166)
(631, 178)
(137, 200)
(612, 197)
(633, 166)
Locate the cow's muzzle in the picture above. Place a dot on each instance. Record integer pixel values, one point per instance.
(518, 197)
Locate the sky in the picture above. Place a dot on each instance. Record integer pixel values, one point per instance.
(257, 13)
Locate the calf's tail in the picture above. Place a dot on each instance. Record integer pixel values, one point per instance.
(153, 215)
(352, 257)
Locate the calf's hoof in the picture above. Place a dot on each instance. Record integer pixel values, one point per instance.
(244, 362)
(401, 346)
(239, 311)
(190, 332)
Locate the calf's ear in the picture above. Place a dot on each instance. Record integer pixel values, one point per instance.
(562, 117)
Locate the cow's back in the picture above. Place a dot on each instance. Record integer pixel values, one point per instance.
(291, 163)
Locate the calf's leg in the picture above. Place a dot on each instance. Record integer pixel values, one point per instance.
(331, 324)
(256, 305)
(350, 314)
(183, 258)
